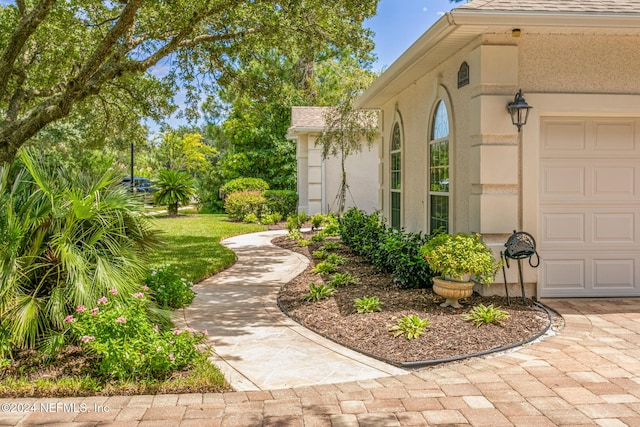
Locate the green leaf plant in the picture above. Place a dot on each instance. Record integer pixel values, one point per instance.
(482, 315)
(410, 327)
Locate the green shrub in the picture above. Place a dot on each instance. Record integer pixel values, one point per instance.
(482, 315)
(319, 292)
(284, 202)
(271, 218)
(242, 203)
(244, 184)
(395, 251)
(293, 223)
(342, 279)
(318, 237)
(335, 259)
(324, 268)
(320, 254)
(250, 218)
(174, 188)
(168, 288)
(409, 326)
(303, 243)
(66, 237)
(331, 225)
(302, 218)
(294, 235)
(129, 345)
(367, 304)
(329, 246)
(316, 221)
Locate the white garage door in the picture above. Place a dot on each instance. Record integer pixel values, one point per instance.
(590, 207)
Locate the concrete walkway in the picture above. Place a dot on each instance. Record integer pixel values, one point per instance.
(588, 374)
(257, 346)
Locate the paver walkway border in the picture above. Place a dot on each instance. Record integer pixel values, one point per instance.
(588, 374)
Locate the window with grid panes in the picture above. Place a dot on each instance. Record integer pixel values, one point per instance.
(396, 177)
(439, 170)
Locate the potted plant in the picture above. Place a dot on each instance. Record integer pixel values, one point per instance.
(459, 258)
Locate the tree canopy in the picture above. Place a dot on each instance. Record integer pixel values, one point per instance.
(94, 58)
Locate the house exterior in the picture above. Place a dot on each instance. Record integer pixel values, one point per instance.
(318, 179)
(451, 157)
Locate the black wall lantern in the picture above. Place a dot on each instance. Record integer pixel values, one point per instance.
(519, 110)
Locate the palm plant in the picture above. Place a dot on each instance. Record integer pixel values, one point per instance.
(66, 239)
(175, 187)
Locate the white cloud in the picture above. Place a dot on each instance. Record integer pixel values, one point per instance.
(440, 13)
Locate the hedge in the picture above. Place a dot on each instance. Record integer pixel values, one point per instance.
(395, 251)
(284, 202)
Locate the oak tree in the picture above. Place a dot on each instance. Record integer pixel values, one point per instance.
(94, 57)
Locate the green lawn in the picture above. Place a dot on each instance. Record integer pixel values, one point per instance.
(191, 243)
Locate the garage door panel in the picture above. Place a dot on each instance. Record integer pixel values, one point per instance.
(563, 227)
(563, 274)
(614, 228)
(590, 228)
(589, 237)
(563, 181)
(616, 136)
(614, 273)
(564, 135)
(614, 181)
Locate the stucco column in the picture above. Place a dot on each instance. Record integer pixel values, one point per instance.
(315, 176)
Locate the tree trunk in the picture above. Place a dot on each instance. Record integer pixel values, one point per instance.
(172, 209)
(343, 184)
(7, 154)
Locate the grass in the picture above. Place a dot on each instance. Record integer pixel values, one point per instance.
(192, 243)
(203, 377)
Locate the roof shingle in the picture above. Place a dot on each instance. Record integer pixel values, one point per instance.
(308, 117)
(577, 6)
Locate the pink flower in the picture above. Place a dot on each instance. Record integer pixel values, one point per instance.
(144, 287)
(114, 291)
(68, 319)
(102, 300)
(171, 357)
(176, 332)
(206, 333)
(138, 295)
(94, 311)
(155, 328)
(80, 309)
(88, 338)
(121, 320)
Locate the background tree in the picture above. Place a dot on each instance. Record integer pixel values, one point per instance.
(174, 188)
(348, 129)
(93, 57)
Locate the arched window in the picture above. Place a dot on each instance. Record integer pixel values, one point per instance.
(396, 177)
(439, 170)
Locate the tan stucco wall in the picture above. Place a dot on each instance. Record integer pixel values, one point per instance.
(318, 179)
(494, 170)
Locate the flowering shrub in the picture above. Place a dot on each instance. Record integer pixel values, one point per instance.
(130, 346)
(169, 289)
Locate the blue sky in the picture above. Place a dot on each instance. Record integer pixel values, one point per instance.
(399, 23)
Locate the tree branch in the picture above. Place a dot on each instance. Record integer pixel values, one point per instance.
(26, 27)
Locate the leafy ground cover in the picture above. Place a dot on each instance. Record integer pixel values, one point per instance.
(447, 335)
(192, 245)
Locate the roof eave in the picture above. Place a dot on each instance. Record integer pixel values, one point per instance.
(475, 23)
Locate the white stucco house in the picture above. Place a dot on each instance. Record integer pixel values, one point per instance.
(450, 155)
(318, 179)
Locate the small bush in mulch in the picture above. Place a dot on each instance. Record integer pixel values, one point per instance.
(449, 335)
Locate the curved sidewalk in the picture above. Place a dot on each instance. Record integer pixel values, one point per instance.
(588, 374)
(257, 347)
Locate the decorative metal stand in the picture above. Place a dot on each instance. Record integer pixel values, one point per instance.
(519, 246)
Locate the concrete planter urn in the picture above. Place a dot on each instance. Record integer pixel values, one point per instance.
(452, 291)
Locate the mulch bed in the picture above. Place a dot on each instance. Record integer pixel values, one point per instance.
(448, 336)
